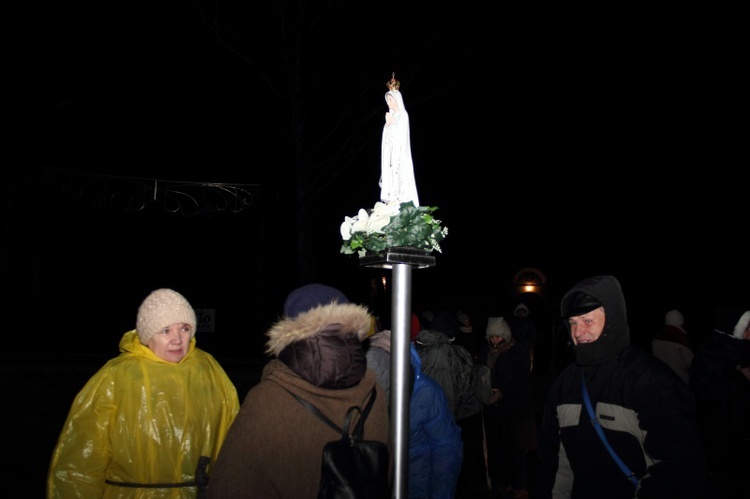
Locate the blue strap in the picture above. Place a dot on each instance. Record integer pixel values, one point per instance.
(629, 474)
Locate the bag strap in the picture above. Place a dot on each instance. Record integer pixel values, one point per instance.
(358, 430)
(595, 422)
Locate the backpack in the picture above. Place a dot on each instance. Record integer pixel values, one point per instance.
(465, 380)
(452, 366)
(351, 467)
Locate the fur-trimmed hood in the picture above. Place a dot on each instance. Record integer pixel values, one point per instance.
(353, 318)
(324, 344)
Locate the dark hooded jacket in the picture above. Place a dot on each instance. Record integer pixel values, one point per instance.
(723, 395)
(647, 414)
(274, 447)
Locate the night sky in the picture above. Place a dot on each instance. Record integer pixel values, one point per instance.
(576, 142)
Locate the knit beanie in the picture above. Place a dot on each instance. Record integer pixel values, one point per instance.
(739, 328)
(464, 323)
(497, 326)
(160, 309)
(311, 296)
(520, 307)
(731, 321)
(674, 318)
(445, 322)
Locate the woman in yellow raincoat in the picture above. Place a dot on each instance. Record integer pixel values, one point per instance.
(151, 421)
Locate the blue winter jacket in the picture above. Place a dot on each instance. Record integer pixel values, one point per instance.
(435, 444)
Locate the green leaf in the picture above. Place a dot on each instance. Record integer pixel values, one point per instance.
(412, 226)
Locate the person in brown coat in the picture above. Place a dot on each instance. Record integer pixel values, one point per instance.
(274, 447)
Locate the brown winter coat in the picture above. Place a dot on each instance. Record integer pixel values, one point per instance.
(274, 447)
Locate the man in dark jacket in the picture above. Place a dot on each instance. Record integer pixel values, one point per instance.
(720, 379)
(646, 412)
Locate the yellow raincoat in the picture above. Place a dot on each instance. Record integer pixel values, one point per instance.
(143, 420)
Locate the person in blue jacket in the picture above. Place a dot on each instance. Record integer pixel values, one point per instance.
(435, 444)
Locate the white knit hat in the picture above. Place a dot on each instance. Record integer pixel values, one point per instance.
(739, 328)
(497, 326)
(674, 318)
(519, 307)
(160, 309)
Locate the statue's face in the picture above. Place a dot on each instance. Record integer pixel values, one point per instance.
(392, 104)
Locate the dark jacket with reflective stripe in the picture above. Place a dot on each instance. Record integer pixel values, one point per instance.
(646, 411)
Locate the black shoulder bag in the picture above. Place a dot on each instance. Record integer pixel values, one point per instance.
(352, 468)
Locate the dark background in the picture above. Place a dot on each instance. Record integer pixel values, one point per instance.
(574, 141)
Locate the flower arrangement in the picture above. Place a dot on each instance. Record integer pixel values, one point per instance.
(392, 225)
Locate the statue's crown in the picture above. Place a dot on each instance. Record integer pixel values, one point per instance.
(393, 83)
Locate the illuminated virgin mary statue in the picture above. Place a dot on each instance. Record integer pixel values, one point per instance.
(397, 170)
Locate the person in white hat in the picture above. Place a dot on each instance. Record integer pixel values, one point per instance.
(510, 415)
(151, 421)
(672, 346)
(720, 379)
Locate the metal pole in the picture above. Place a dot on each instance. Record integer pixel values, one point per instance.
(400, 376)
(401, 261)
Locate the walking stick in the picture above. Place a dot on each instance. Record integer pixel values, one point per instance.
(484, 447)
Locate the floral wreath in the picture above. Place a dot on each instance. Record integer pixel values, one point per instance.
(389, 225)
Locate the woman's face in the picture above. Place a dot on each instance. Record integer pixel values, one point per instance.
(496, 340)
(171, 343)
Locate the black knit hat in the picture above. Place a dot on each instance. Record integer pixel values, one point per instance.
(445, 322)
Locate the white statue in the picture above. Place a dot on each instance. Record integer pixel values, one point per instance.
(397, 170)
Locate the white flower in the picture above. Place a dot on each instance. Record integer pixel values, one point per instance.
(376, 222)
(390, 225)
(360, 221)
(369, 223)
(346, 228)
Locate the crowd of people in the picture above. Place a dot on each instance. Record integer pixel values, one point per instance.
(163, 419)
